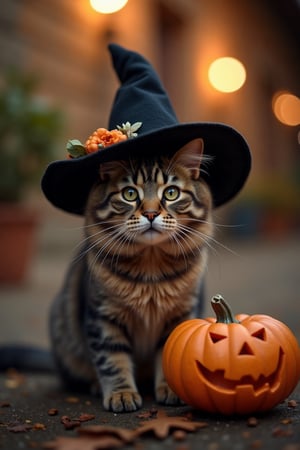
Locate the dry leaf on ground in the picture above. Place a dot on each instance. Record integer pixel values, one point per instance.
(292, 403)
(19, 428)
(96, 437)
(163, 424)
(83, 442)
(102, 430)
(147, 414)
(69, 423)
(86, 417)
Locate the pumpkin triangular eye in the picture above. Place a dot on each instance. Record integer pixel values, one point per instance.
(246, 350)
(215, 337)
(260, 334)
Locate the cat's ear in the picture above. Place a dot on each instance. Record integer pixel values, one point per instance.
(108, 169)
(105, 171)
(190, 156)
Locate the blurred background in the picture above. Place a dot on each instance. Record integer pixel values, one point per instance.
(57, 83)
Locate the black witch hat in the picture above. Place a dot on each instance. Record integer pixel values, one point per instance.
(142, 98)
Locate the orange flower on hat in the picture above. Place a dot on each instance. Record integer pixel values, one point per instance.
(102, 138)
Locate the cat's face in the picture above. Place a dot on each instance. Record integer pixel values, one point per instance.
(152, 203)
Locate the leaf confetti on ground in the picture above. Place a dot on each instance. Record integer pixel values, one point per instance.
(19, 428)
(102, 430)
(83, 442)
(163, 424)
(95, 437)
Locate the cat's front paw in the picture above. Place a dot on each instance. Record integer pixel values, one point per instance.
(126, 401)
(166, 396)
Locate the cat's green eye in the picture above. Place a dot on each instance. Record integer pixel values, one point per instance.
(171, 193)
(130, 194)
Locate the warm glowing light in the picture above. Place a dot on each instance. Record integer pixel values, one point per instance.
(227, 74)
(107, 6)
(286, 107)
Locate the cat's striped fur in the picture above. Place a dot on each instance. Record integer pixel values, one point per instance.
(137, 275)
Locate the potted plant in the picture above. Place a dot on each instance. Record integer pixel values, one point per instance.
(28, 132)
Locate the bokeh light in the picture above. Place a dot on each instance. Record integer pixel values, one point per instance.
(286, 108)
(227, 74)
(107, 6)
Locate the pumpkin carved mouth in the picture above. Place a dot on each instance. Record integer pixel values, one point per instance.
(216, 379)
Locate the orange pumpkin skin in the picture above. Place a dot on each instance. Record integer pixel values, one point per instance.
(232, 368)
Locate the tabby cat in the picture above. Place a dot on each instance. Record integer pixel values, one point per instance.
(137, 275)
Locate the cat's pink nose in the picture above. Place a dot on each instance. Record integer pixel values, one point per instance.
(150, 214)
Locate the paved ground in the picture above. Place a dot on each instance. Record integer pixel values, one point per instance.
(256, 276)
(31, 401)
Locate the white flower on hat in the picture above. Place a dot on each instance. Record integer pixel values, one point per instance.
(128, 129)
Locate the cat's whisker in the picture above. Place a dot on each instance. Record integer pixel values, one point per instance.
(194, 248)
(189, 233)
(182, 234)
(125, 239)
(115, 237)
(210, 222)
(85, 249)
(210, 239)
(86, 226)
(102, 236)
(118, 240)
(215, 241)
(205, 162)
(180, 248)
(97, 257)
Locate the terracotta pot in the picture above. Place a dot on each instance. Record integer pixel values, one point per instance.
(17, 241)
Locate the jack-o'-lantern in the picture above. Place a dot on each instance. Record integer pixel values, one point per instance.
(232, 365)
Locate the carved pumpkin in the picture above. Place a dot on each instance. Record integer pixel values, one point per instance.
(232, 365)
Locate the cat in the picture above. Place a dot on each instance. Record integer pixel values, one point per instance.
(138, 273)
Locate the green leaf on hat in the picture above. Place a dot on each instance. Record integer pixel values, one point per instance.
(75, 148)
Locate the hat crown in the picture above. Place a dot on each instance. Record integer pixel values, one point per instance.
(141, 96)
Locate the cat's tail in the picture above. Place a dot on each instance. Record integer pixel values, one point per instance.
(26, 358)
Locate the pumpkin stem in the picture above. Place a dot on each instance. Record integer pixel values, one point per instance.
(222, 310)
